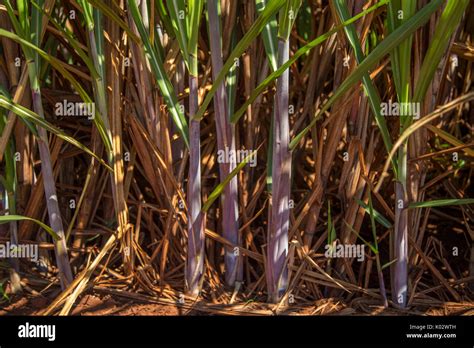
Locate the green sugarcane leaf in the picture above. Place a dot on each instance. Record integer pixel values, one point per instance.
(379, 217)
(385, 47)
(195, 8)
(87, 12)
(270, 10)
(232, 82)
(302, 51)
(369, 87)
(448, 22)
(441, 203)
(388, 264)
(111, 13)
(9, 218)
(30, 126)
(451, 139)
(398, 13)
(162, 79)
(372, 222)
(3, 293)
(178, 15)
(269, 36)
(305, 21)
(58, 65)
(24, 17)
(287, 18)
(72, 41)
(270, 42)
(96, 48)
(164, 16)
(220, 188)
(36, 30)
(100, 44)
(374, 250)
(31, 116)
(15, 22)
(9, 181)
(332, 236)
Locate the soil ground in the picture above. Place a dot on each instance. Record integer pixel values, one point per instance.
(100, 303)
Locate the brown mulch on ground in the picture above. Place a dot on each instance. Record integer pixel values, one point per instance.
(113, 302)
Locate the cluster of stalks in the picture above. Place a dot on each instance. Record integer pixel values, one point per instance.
(140, 193)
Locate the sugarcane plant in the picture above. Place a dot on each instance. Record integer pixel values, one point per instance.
(186, 21)
(111, 136)
(8, 195)
(225, 144)
(170, 59)
(270, 42)
(372, 93)
(278, 227)
(32, 30)
(398, 13)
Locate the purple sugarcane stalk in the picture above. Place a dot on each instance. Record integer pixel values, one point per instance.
(195, 260)
(225, 143)
(60, 248)
(400, 275)
(277, 250)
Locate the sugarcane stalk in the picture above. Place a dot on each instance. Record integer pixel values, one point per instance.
(60, 248)
(278, 227)
(225, 142)
(281, 168)
(400, 246)
(195, 256)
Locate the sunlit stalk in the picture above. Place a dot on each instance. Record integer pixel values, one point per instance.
(277, 249)
(34, 32)
(225, 142)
